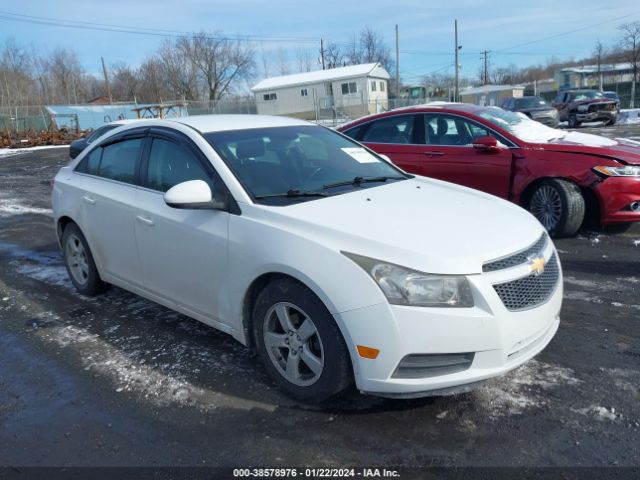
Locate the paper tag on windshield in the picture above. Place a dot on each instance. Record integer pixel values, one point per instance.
(360, 155)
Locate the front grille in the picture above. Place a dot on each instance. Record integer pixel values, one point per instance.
(530, 291)
(432, 365)
(517, 258)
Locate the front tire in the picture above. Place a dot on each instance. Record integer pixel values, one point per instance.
(573, 121)
(559, 206)
(299, 342)
(79, 262)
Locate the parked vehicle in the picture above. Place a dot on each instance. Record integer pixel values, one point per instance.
(79, 145)
(555, 174)
(335, 265)
(613, 96)
(535, 108)
(578, 106)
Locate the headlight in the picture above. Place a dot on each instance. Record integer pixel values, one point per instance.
(583, 108)
(403, 286)
(626, 171)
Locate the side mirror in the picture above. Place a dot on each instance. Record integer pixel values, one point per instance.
(192, 195)
(486, 144)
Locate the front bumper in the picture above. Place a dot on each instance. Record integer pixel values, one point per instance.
(500, 339)
(615, 195)
(602, 116)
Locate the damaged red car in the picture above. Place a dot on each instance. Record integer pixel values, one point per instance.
(563, 178)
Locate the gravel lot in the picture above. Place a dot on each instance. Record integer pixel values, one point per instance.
(119, 380)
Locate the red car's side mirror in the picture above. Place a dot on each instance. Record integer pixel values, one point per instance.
(487, 144)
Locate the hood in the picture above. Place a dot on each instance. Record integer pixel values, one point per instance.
(536, 109)
(622, 149)
(423, 224)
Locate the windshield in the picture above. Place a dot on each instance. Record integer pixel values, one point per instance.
(587, 95)
(520, 125)
(284, 165)
(533, 102)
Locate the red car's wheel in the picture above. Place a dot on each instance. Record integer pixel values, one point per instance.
(559, 206)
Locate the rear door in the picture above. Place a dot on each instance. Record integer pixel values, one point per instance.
(107, 211)
(448, 154)
(395, 136)
(183, 252)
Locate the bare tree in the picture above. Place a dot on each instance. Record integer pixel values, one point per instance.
(303, 58)
(283, 62)
(178, 68)
(125, 82)
(333, 56)
(153, 87)
(220, 61)
(630, 44)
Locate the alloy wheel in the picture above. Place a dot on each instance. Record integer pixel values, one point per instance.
(76, 257)
(546, 206)
(293, 344)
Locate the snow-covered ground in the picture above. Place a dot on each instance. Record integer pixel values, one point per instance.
(5, 152)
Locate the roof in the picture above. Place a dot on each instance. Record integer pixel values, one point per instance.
(491, 88)
(616, 67)
(320, 76)
(218, 123)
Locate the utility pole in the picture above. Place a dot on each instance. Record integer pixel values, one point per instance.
(106, 80)
(485, 79)
(456, 91)
(322, 52)
(397, 65)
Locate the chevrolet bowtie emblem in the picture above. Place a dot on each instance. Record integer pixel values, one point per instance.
(536, 265)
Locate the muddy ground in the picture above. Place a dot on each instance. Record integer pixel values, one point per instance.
(119, 380)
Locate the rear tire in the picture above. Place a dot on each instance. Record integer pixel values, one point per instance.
(299, 342)
(559, 206)
(79, 262)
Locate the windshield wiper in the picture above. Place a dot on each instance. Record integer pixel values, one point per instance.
(293, 193)
(358, 180)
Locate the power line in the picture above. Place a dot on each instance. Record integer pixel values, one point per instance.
(106, 27)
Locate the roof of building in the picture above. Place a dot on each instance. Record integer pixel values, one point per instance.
(91, 116)
(320, 76)
(615, 67)
(491, 88)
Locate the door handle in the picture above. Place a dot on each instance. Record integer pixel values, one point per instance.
(145, 221)
(89, 200)
(434, 154)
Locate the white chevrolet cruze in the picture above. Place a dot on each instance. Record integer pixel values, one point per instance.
(335, 265)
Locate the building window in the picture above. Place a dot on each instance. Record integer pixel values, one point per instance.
(350, 87)
(269, 96)
(373, 85)
(382, 86)
(303, 92)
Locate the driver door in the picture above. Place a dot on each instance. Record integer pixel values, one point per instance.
(449, 155)
(183, 252)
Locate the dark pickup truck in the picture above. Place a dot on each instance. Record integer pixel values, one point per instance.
(577, 106)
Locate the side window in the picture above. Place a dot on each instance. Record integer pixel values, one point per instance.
(90, 163)
(356, 132)
(446, 130)
(99, 132)
(119, 160)
(170, 164)
(397, 129)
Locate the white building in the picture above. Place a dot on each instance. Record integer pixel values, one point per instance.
(491, 95)
(588, 76)
(347, 91)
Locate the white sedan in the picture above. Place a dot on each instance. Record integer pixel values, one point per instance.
(335, 265)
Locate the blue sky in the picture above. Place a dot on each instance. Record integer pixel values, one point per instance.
(517, 32)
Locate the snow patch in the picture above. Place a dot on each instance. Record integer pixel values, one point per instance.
(11, 207)
(5, 152)
(599, 413)
(129, 375)
(524, 388)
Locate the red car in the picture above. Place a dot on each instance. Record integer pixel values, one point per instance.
(561, 177)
